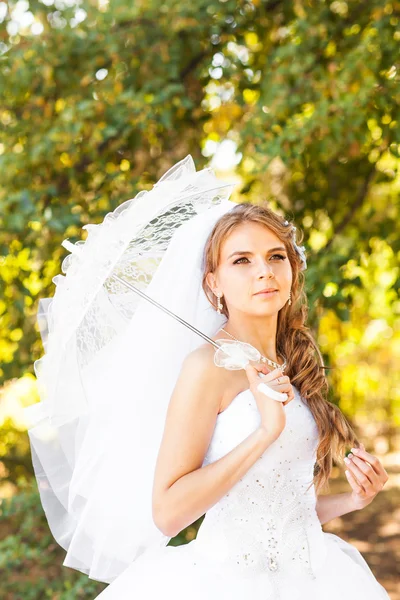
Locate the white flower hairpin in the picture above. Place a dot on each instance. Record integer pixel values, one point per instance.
(301, 250)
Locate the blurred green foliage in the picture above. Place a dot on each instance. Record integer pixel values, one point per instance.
(30, 560)
(109, 96)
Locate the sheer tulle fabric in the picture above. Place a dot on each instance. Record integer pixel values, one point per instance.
(96, 434)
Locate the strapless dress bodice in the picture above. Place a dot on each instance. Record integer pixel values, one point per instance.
(267, 522)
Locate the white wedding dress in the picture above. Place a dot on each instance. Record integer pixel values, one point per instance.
(262, 540)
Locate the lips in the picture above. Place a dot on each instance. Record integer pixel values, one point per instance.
(269, 291)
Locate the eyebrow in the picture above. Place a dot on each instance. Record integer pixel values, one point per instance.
(248, 252)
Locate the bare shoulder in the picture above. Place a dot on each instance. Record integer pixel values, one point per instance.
(203, 357)
(220, 382)
(200, 367)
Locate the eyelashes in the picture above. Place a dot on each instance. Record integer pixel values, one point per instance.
(280, 257)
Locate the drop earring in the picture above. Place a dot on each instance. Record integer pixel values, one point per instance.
(219, 305)
(290, 298)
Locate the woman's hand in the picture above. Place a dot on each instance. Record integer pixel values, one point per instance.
(366, 476)
(273, 416)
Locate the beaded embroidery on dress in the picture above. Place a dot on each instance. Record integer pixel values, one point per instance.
(263, 539)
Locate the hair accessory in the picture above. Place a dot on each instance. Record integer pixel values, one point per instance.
(301, 250)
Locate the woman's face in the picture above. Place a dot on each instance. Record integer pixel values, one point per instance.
(252, 259)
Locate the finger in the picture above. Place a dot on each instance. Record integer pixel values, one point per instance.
(362, 479)
(367, 470)
(252, 370)
(281, 384)
(283, 387)
(276, 380)
(290, 398)
(373, 460)
(288, 390)
(353, 482)
(283, 379)
(253, 373)
(273, 374)
(258, 368)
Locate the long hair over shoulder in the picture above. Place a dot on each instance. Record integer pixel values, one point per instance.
(294, 339)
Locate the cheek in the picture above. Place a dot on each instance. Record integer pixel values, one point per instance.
(285, 275)
(236, 280)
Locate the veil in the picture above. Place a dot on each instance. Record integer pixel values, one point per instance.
(95, 473)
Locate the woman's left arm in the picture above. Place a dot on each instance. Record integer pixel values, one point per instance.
(366, 476)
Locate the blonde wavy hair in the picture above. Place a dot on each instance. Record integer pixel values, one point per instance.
(294, 339)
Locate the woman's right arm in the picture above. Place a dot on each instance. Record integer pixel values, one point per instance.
(183, 490)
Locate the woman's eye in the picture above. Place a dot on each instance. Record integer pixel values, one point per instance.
(239, 259)
(279, 256)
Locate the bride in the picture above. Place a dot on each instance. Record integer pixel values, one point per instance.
(141, 433)
(247, 460)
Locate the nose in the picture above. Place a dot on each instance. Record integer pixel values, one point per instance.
(266, 270)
